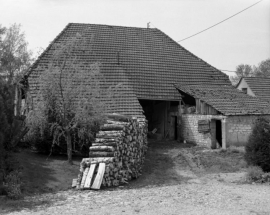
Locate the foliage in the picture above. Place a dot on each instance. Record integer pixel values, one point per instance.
(263, 69)
(258, 146)
(71, 101)
(245, 70)
(13, 184)
(15, 57)
(9, 132)
(256, 174)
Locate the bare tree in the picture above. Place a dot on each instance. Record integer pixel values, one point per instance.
(71, 96)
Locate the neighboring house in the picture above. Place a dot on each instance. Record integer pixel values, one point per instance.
(255, 86)
(148, 63)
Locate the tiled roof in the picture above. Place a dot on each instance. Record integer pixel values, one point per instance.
(149, 60)
(260, 86)
(227, 99)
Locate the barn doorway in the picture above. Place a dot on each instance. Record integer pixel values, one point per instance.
(219, 133)
(216, 133)
(173, 128)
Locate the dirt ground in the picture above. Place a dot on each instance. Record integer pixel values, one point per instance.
(177, 179)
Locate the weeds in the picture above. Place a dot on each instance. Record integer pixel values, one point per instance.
(256, 174)
(13, 184)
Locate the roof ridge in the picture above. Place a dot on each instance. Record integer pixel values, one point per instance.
(43, 53)
(76, 23)
(203, 61)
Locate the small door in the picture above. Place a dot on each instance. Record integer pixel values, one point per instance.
(219, 132)
(173, 128)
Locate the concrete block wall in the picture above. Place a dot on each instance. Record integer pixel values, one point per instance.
(239, 128)
(189, 125)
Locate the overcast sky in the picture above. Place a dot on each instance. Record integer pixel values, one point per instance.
(243, 39)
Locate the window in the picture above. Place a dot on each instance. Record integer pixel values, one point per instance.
(244, 90)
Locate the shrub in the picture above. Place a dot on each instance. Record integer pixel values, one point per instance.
(258, 146)
(13, 184)
(256, 174)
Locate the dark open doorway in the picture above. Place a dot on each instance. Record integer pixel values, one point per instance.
(219, 132)
(175, 128)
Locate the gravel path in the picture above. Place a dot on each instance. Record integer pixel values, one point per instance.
(197, 196)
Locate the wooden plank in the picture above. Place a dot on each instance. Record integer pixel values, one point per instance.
(89, 176)
(84, 176)
(74, 183)
(99, 177)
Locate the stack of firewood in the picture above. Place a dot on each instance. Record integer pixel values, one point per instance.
(121, 143)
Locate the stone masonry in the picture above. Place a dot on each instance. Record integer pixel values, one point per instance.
(190, 132)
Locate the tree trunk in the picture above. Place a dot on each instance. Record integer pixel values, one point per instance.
(69, 147)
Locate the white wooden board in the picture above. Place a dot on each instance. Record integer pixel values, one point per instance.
(74, 183)
(85, 173)
(89, 176)
(99, 177)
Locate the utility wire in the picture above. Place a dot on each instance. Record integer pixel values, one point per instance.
(220, 22)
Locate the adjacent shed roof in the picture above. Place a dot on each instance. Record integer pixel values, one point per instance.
(260, 86)
(227, 99)
(149, 61)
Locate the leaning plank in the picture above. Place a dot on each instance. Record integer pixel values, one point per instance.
(74, 183)
(84, 176)
(89, 177)
(98, 180)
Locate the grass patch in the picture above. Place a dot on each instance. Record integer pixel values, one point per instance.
(33, 203)
(223, 160)
(41, 174)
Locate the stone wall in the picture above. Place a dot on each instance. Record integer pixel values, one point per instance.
(238, 129)
(235, 129)
(189, 126)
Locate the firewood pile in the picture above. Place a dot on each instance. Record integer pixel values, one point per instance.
(121, 145)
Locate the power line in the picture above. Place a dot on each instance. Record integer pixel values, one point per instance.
(220, 22)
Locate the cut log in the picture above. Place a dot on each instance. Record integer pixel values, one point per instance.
(102, 148)
(118, 117)
(99, 176)
(99, 160)
(100, 154)
(112, 127)
(89, 177)
(105, 144)
(109, 136)
(101, 140)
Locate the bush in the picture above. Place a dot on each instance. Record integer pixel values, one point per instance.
(42, 141)
(256, 174)
(13, 184)
(258, 146)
